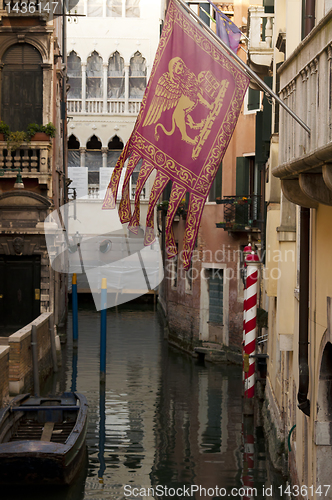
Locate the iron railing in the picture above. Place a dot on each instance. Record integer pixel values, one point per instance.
(241, 213)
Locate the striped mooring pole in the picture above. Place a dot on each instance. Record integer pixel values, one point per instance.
(252, 262)
(103, 329)
(75, 308)
(246, 251)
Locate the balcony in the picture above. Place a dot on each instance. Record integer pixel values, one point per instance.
(241, 213)
(260, 34)
(33, 159)
(101, 107)
(306, 87)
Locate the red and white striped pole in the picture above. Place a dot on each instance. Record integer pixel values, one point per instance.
(252, 261)
(246, 251)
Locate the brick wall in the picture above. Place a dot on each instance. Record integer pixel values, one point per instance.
(20, 355)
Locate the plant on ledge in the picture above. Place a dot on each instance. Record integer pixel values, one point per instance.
(4, 129)
(34, 128)
(181, 210)
(16, 139)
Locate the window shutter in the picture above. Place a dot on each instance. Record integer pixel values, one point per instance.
(253, 99)
(242, 176)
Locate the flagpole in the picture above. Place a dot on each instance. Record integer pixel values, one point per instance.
(247, 69)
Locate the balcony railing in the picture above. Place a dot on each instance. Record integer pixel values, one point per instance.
(241, 213)
(260, 29)
(98, 106)
(31, 158)
(306, 87)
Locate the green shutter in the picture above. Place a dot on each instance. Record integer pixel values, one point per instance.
(253, 99)
(242, 176)
(215, 191)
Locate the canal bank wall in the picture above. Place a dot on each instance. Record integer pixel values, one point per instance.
(16, 358)
(187, 338)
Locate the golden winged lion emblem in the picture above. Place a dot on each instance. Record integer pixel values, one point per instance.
(180, 89)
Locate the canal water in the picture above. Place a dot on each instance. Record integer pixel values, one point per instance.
(164, 425)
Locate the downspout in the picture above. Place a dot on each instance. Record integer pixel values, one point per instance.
(302, 396)
(304, 403)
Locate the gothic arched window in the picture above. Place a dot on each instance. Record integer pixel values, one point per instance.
(22, 86)
(94, 76)
(93, 159)
(73, 151)
(115, 77)
(137, 76)
(75, 75)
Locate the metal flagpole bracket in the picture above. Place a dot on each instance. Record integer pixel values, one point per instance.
(244, 66)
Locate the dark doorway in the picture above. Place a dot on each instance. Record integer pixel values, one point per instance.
(19, 291)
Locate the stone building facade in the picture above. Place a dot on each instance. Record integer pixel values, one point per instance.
(32, 91)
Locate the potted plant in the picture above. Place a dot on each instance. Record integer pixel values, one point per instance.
(4, 131)
(37, 132)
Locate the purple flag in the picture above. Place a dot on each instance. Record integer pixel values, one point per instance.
(187, 117)
(227, 31)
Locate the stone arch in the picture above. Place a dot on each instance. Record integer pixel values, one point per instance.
(94, 76)
(137, 75)
(73, 142)
(115, 143)
(323, 421)
(93, 142)
(6, 44)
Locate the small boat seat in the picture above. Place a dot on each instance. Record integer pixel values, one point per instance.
(47, 431)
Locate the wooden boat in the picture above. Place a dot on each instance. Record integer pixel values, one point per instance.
(42, 440)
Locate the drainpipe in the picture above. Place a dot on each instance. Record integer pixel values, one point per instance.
(304, 403)
(309, 18)
(302, 396)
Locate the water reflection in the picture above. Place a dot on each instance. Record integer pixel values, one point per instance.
(162, 420)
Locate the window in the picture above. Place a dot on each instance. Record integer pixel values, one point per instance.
(137, 76)
(132, 8)
(114, 8)
(94, 76)
(200, 8)
(22, 86)
(216, 296)
(95, 8)
(115, 146)
(252, 101)
(74, 75)
(93, 160)
(215, 191)
(115, 77)
(74, 159)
